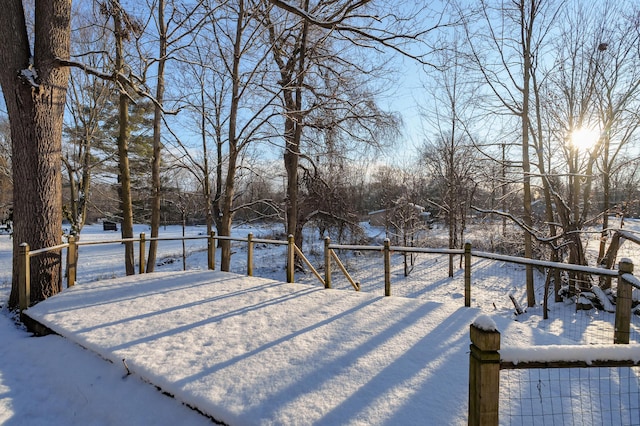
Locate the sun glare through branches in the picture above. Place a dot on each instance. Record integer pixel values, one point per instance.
(583, 139)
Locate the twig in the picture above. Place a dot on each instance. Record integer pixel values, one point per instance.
(519, 310)
(126, 367)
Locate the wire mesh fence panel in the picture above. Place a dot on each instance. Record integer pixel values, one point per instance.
(575, 316)
(570, 396)
(584, 327)
(578, 307)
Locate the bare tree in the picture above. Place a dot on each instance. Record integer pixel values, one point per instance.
(89, 104)
(618, 86)
(156, 195)
(230, 103)
(591, 83)
(130, 85)
(453, 162)
(451, 155)
(174, 29)
(320, 92)
(243, 106)
(594, 87)
(204, 93)
(124, 27)
(504, 44)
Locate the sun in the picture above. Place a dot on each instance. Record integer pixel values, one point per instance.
(584, 138)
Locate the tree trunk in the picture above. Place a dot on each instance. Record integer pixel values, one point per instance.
(227, 213)
(76, 213)
(452, 198)
(217, 198)
(123, 154)
(606, 195)
(71, 212)
(291, 160)
(293, 136)
(548, 199)
(34, 91)
(157, 126)
(526, 164)
(229, 191)
(84, 188)
(206, 181)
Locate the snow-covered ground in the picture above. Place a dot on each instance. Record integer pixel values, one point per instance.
(52, 381)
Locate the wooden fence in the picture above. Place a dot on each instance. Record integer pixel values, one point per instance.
(486, 358)
(72, 246)
(387, 249)
(622, 325)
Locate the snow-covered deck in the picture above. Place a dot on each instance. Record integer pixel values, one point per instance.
(256, 351)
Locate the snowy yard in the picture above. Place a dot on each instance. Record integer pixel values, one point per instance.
(256, 350)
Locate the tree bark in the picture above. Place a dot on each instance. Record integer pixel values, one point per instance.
(123, 153)
(157, 145)
(229, 187)
(527, 31)
(34, 89)
(293, 136)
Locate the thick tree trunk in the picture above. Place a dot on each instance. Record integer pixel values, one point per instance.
(34, 90)
(292, 73)
(606, 206)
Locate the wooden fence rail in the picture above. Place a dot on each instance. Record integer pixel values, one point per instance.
(485, 360)
(72, 246)
(624, 272)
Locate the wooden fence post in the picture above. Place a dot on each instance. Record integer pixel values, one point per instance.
(623, 303)
(211, 251)
(484, 377)
(142, 252)
(467, 274)
(327, 262)
(24, 277)
(72, 261)
(387, 267)
(250, 254)
(290, 259)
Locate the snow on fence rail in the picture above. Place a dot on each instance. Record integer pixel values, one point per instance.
(624, 272)
(551, 397)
